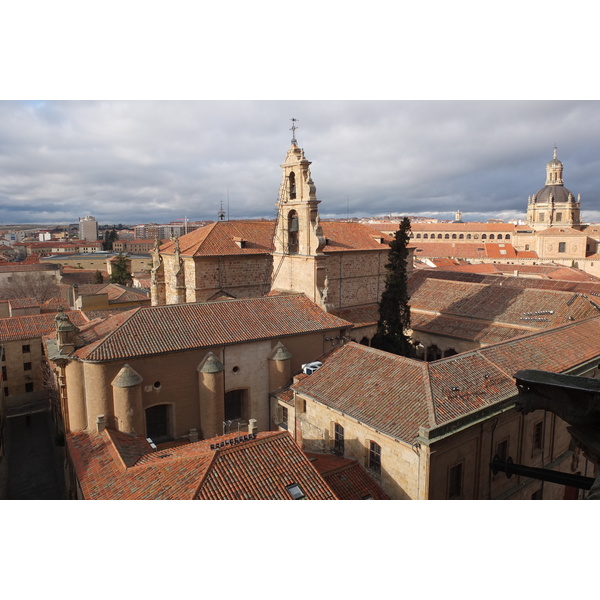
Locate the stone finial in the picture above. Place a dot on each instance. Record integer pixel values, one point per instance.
(281, 353)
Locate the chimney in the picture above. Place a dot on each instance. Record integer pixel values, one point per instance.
(252, 426)
(193, 435)
(100, 423)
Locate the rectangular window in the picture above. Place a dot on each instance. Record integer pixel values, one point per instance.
(542, 215)
(338, 440)
(26, 348)
(6, 392)
(375, 457)
(29, 387)
(502, 450)
(284, 417)
(562, 247)
(4, 374)
(538, 436)
(26, 366)
(455, 475)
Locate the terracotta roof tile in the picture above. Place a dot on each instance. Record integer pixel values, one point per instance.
(159, 329)
(34, 326)
(396, 395)
(116, 466)
(346, 477)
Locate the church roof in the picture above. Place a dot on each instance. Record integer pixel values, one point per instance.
(155, 330)
(218, 239)
(561, 231)
(34, 326)
(230, 238)
(111, 465)
(397, 395)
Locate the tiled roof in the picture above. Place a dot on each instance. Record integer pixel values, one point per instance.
(561, 231)
(346, 477)
(219, 239)
(23, 303)
(508, 300)
(33, 326)
(116, 466)
(160, 329)
(342, 236)
(114, 291)
(359, 317)
(397, 395)
(463, 227)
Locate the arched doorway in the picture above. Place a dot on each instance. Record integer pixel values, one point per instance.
(157, 423)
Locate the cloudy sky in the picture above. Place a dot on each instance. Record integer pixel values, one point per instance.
(140, 161)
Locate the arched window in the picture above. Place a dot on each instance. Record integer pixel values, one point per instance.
(439, 236)
(292, 186)
(425, 236)
(418, 236)
(507, 236)
(293, 232)
(499, 236)
(476, 236)
(447, 236)
(461, 237)
(468, 236)
(157, 423)
(453, 236)
(484, 236)
(491, 236)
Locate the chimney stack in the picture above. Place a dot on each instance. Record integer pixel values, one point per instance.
(252, 426)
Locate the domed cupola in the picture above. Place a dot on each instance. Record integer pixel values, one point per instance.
(554, 204)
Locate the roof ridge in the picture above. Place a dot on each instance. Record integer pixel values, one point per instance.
(101, 341)
(429, 403)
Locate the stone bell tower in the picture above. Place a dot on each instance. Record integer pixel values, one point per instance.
(298, 259)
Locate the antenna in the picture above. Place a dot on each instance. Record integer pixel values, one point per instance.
(293, 130)
(221, 214)
(228, 204)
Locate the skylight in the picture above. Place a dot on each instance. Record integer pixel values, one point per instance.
(295, 491)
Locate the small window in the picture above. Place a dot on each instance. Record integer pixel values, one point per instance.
(425, 236)
(27, 367)
(538, 435)
(484, 236)
(375, 457)
(491, 236)
(461, 236)
(468, 236)
(447, 236)
(295, 491)
(502, 450)
(6, 392)
(338, 440)
(562, 247)
(559, 216)
(455, 475)
(26, 348)
(4, 374)
(28, 387)
(284, 417)
(439, 236)
(453, 236)
(507, 236)
(418, 236)
(541, 218)
(499, 236)
(526, 246)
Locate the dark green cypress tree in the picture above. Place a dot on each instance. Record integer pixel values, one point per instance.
(120, 274)
(394, 309)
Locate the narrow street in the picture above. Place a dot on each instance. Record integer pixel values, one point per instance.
(34, 467)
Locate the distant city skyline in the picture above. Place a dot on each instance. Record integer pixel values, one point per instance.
(159, 161)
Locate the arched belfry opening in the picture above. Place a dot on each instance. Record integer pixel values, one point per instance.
(293, 228)
(292, 179)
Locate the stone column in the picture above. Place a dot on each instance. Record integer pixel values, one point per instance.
(211, 383)
(75, 396)
(127, 401)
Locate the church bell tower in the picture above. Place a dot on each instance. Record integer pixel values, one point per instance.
(298, 259)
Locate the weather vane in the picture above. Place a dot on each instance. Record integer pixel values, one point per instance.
(293, 130)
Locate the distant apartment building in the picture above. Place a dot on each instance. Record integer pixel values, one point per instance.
(88, 229)
(151, 231)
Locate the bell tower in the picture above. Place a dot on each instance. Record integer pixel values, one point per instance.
(298, 259)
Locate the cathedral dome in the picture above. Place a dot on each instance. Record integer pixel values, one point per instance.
(559, 193)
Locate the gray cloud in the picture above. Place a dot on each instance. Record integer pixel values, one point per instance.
(145, 161)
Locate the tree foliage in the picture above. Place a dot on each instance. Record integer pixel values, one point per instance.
(119, 272)
(98, 278)
(110, 236)
(394, 309)
(22, 285)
